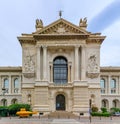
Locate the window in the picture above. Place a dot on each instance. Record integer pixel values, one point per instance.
(102, 85)
(14, 101)
(16, 85)
(114, 103)
(4, 102)
(6, 86)
(104, 103)
(60, 70)
(113, 86)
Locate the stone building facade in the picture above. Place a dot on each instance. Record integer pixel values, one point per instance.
(61, 70)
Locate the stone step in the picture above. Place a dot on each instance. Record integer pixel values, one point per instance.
(60, 114)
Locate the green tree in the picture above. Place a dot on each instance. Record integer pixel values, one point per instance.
(16, 107)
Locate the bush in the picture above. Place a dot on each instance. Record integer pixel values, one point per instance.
(104, 110)
(16, 107)
(4, 111)
(94, 109)
(105, 114)
(113, 110)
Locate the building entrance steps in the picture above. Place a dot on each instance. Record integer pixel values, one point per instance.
(65, 121)
(61, 115)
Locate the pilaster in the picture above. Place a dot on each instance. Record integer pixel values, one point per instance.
(51, 72)
(38, 64)
(76, 70)
(109, 89)
(83, 63)
(69, 72)
(44, 63)
(10, 84)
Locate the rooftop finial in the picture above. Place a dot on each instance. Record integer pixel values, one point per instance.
(60, 13)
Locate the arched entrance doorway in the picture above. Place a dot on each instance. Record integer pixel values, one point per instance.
(60, 102)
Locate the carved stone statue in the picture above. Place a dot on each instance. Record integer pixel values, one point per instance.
(39, 24)
(29, 64)
(92, 64)
(83, 22)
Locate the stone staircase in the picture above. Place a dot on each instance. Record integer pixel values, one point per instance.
(60, 115)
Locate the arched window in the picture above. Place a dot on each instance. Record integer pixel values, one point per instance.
(16, 85)
(102, 85)
(113, 86)
(60, 70)
(4, 102)
(104, 103)
(14, 101)
(6, 85)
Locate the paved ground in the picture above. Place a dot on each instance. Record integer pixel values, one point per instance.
(97, 120)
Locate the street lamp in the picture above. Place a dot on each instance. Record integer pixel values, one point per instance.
(4, 90)
(90, 109)
(29, 99)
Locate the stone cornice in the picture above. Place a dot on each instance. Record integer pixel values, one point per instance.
(11, 69)
(109, 69)
(26, 39)
(95, 39)
(60, 36)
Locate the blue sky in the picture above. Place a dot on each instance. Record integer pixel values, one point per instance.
(18, 16)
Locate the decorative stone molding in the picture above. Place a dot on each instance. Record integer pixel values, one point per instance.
(92, 75)
(29, 75)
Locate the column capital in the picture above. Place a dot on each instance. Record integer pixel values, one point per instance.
(70, 63)
(83, 46)
(51, 63)
(44, 46)
(38, 46)
(77, 46)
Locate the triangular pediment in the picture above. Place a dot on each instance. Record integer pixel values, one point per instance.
(61, 26)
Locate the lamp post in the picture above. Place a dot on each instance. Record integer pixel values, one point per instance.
(90, 109)
(29, 99)
(4, 90)
(3, 93)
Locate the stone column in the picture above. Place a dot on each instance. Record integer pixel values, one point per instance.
(83, 64)
(38, 64)
(76, 70)
(44, 63)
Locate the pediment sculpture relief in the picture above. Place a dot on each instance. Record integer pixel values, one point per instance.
(59, 27)
(93, 67)
(29, 66)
